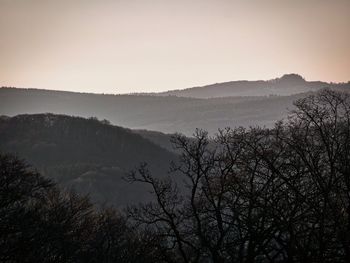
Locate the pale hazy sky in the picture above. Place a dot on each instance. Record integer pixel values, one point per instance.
(153, 45)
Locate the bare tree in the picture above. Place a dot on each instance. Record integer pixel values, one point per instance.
(259, 195)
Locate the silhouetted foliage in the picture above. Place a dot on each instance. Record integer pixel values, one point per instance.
(261, 195)
(40, 223)
(20, 192)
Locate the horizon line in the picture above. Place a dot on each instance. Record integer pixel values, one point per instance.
(170, 90)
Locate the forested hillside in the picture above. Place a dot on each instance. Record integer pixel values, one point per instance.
(87, 154)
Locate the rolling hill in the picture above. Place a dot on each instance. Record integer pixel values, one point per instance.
(89, 155)
(169, 114)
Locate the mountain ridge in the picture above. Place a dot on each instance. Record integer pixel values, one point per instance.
(288, 77)
(210, 107)
(287, 84)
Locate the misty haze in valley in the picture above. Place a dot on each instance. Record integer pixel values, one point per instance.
(232, 104)
(94, 154)
(180, 131)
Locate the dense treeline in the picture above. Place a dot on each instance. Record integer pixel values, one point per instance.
(256, 195)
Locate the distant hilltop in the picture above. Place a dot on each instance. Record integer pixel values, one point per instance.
(291, 78)
(288, 84)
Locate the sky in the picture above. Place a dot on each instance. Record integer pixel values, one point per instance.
(126, 46)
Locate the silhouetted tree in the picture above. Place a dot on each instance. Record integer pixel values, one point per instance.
(41, 223)
(21, 190)
(259, 195)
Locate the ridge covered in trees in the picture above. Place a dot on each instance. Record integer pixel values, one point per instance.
(257, 195)
(89, 155)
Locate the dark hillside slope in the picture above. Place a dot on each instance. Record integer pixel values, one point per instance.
(87, 154)
(159, 138)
